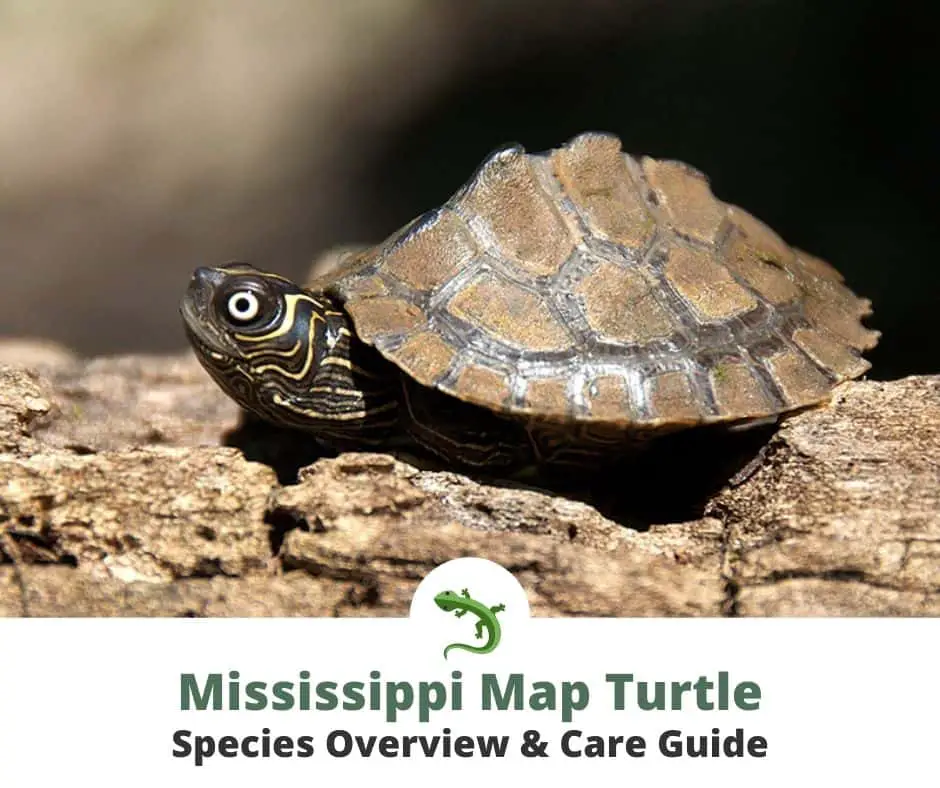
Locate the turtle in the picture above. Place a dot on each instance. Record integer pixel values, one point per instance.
(562, 309)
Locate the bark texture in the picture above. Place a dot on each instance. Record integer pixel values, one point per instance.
(119, 496)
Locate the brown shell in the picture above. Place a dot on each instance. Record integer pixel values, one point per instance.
(585, 285)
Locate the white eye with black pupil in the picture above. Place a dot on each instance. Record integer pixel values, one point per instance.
(243, 306)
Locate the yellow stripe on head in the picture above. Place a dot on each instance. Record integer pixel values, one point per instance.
(287, 323)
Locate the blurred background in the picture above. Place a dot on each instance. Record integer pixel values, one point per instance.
(141, 139)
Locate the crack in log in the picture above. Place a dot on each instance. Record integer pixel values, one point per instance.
(9, 548)
(731, 588)
(281, 520)
(834, 576)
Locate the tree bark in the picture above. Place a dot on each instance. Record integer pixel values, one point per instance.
(118, 497)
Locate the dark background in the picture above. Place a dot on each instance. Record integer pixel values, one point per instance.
(212, 131)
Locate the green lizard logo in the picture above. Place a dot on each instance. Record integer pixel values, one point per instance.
(463, 603)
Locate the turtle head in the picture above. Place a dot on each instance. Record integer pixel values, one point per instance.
(259, 335)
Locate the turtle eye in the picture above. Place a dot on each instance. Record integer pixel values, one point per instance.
(243, 306)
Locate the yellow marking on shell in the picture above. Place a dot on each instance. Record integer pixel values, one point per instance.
(288, 321)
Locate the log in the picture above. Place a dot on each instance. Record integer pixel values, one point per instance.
(129, 486)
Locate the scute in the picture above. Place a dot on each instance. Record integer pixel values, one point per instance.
(583, 285)
(737, 389)
(433, 256)
(621, 307)
(672, 398)
(513, 216)
(594, 174)
(518, 317)
(688, 205)
(706, 284)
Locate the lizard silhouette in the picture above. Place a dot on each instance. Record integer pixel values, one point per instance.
(463, 603)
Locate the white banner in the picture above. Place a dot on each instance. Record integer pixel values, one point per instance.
(328, 701)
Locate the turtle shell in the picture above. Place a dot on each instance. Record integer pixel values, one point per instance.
(585, 285)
